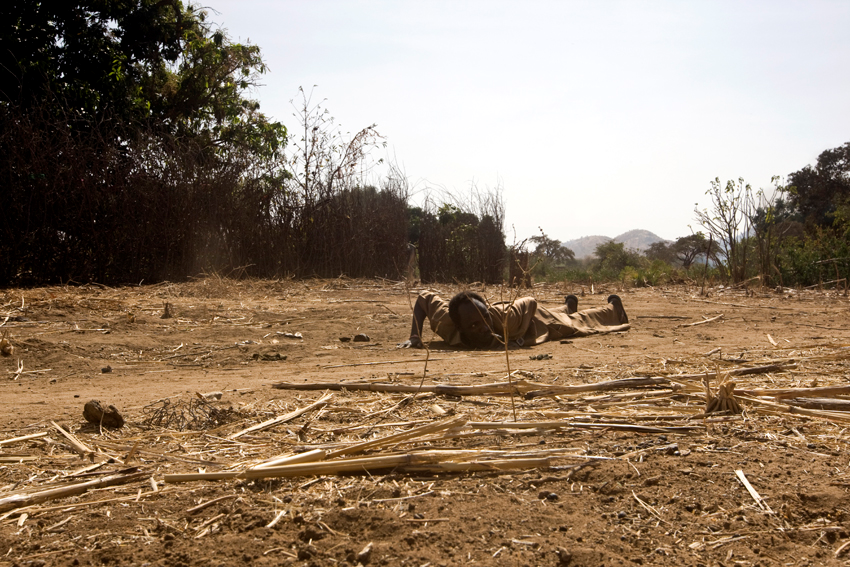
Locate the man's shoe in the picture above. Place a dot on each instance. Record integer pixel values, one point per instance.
(618, 308)
(572, 303)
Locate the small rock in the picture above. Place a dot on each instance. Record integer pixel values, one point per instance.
(311, 534)
(95, 413)
(564, 556)
(365, 554)
(212, 395)
(361, 338)
(106, 369)
(344, 339)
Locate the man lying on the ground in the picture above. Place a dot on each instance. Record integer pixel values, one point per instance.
(467, 320)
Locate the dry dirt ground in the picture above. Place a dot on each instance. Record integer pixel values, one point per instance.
(619, 476)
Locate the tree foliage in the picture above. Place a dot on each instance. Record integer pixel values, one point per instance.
(152, 63)
(818, 193)
(612, 257)
(550, 249)
(689, 248)
(662, 251)
(127, 130)
(463, 240)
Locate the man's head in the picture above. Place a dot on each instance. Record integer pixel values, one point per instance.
(468, 311)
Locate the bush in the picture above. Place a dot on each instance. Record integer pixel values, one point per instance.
(804, 260)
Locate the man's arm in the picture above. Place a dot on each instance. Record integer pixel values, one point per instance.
(415, 340)
(519, 316)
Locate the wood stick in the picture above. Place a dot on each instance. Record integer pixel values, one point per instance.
(479, 390)
(830, 404)
(484, 389)
(550, 390)
(643, 417)
(422, 462)
(756, 496)
(307, 457)
(24, 438)
(504, 388)
(737, 371)
(19, 500)
(17, 458)
(362, 465)
(831, 416)
(283, 418)
(280, 514)
(780, 393)
(700, 322)
(399, 437)
(841, 417)
(407, 361)
(209, 503)
(75, 443)
(577, 424)
(475, 466)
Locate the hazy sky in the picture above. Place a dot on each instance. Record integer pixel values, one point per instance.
(596, 117)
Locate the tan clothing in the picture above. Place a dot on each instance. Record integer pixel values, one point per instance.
(527, 321)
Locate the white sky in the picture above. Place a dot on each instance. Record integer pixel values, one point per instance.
(596, 117)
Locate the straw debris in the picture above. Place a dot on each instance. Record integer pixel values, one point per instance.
(319, 464)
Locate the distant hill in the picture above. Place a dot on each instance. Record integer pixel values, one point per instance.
(586, 245)
(637, 239)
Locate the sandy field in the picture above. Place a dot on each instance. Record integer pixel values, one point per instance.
(592, 451)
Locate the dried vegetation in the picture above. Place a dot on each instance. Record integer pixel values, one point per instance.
(693, 455)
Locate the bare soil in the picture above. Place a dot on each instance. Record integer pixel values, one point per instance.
(640, 496)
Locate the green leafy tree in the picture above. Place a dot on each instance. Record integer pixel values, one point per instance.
(151, 63)
(612, 257)
(551, 250)
(689, 248)
(662, 251)
(818, 192)
(127, 129)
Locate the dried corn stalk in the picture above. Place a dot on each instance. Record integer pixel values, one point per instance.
(724, 400)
